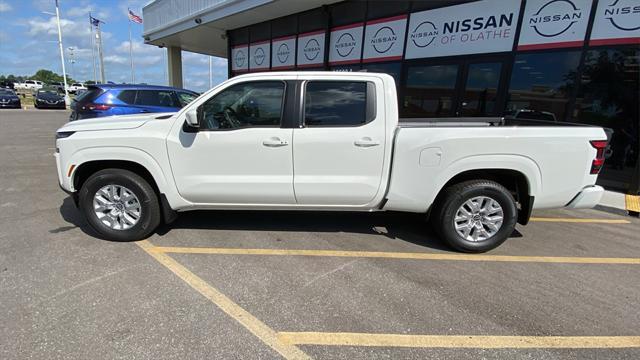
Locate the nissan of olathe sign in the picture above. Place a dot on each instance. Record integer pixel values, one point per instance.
(478, 27)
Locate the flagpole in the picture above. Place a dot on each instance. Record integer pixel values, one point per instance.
(64, 71)
(133, 74)
(93, 50)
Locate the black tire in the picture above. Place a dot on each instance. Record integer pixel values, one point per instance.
(442, 217)
(150, 207)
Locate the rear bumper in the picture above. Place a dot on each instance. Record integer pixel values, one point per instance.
(587, 198)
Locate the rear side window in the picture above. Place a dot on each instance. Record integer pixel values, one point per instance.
(155, 98)
(336, 103)
(127, 96)
(90, 95)
(184, 97)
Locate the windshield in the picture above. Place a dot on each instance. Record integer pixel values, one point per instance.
(47, 91)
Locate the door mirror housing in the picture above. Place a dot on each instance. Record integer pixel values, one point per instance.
(192, 118)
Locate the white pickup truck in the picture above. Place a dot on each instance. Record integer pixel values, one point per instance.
(324, 141)
(29, 85)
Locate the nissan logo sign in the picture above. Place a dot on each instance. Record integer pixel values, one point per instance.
(424, 34)
(240, 58)
(623, 14)
(258, 56)
(555, 17)
(311, 49)
(384, 39)
(345, 44)
(283, 53)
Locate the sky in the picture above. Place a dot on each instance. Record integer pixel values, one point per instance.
(29, 41)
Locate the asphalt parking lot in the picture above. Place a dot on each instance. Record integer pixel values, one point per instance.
(248, 285)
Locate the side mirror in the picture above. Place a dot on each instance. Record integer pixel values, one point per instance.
(192, 118)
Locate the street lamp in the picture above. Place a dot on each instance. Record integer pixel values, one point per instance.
(67, 101)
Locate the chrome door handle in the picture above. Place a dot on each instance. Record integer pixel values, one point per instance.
(274, 142)
(366, 142)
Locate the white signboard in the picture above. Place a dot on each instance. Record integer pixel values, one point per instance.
(259, 55)
(551, 24)
(311, 49)
(478, 27)
(284, 53)
(240, 58)
(384, 39)
(345, 46)
(616, 22)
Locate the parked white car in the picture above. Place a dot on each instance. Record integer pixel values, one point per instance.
(324, 141)
(73, 88)
(29, 85)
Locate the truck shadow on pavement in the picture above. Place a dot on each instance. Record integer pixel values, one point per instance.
(406, 227)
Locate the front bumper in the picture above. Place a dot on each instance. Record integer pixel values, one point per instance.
(587, 198)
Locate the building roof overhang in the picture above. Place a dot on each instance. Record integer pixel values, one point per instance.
(200, 25)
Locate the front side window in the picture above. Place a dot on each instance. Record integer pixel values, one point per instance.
(162, 98)
(335, 103)
(253, 104)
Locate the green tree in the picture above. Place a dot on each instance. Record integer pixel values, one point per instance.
(48, 76)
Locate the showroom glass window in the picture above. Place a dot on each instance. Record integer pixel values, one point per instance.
(430, 91)
(609, 97)
(335, 103)
(543, 82)
(252, 104)
(391, 68)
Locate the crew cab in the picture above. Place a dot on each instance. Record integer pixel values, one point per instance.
(29, 85)
(324, 141)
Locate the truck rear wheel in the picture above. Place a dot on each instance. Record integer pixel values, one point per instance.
(475, 216)
(120, 205)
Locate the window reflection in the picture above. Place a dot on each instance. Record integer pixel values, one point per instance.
(335, 103)
(481, 91)
(608, 97)
(543, 82)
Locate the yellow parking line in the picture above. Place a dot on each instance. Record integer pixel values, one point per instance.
(396, 255)
(580, 220)
(458, 341)
(250, 322)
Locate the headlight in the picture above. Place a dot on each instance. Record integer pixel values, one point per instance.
(64, 134)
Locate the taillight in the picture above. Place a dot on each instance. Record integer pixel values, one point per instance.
(96, 107)
(598, 162)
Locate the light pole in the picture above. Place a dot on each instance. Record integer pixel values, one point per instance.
(64, 71)
(210, 74)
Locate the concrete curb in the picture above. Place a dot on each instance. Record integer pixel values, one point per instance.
(617, 203)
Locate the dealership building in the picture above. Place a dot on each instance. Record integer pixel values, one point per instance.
(551, 60)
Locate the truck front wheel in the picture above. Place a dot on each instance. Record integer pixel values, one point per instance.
(120, 205)
(475, 216)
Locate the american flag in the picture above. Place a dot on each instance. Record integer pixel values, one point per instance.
(135, 18)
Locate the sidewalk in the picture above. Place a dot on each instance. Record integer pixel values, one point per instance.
(620, 201)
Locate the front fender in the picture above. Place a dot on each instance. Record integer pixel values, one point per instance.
(119, 154)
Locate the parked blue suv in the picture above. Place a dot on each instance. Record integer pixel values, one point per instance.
(111, 99)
